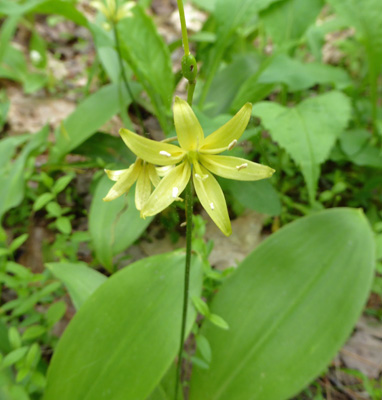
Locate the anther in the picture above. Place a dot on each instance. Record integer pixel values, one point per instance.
(232, 144)
(212, 206)
(175, 192)
(164, 153)
(239, 167)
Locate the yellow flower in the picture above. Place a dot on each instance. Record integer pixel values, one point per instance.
(197, 155)
(141, 172)
(111, 11)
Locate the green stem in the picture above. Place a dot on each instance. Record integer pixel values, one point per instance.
(124, 78)
(190, 92)
(184, 28)
(189, 209)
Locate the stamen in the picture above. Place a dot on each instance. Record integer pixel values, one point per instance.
(239, 167)
(175, 192)
(232, 144)
(201, 178)
(212, 206)
(164, 153)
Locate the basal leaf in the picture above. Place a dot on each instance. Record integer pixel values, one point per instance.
(115, 225)
(80, 280)
(258, 195)
(307, 131)
(290, 306)
(126, 335)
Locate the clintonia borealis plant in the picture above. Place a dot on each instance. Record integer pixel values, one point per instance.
(290, 305)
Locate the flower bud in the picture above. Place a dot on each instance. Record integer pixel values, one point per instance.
(189, 67)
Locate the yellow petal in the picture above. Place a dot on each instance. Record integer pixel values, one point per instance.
(124, 183)
(212, 198)
(150, 150)
(188, 129)
(153, 174)
(100, 7)
(229, 132)
(168, 190)
(115, 175)
(143, 188)
(236, 168)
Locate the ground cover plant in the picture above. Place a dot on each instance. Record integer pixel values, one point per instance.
(190, 199)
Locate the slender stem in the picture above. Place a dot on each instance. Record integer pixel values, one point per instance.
(184, 28)
(190, 92)
(124, 78)
(189, 209)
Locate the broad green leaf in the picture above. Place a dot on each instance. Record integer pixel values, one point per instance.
(124, 338)
(287, 20)
(259, 195)
(80, 280)
(165, 389)
(115, 225)
(149, 57)
(102, 106)
(290, 306)
(307, 131)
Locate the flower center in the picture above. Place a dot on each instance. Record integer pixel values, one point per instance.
(193, 156)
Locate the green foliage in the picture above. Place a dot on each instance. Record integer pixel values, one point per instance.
(139, 310)
(13, 173)
(290, 306)
(151, 62)
(80, 280)
(113, 226)
(312, 69)
(307, 131)
(287, 20)
(102, 105)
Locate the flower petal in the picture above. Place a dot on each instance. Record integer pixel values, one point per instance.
(116, 174)
(143, 188)
(229, 132)
(188, 129)
(153, 174)
(168, 190)
(236, 168)
(124, 182)
(150, 150)
(212, 198)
